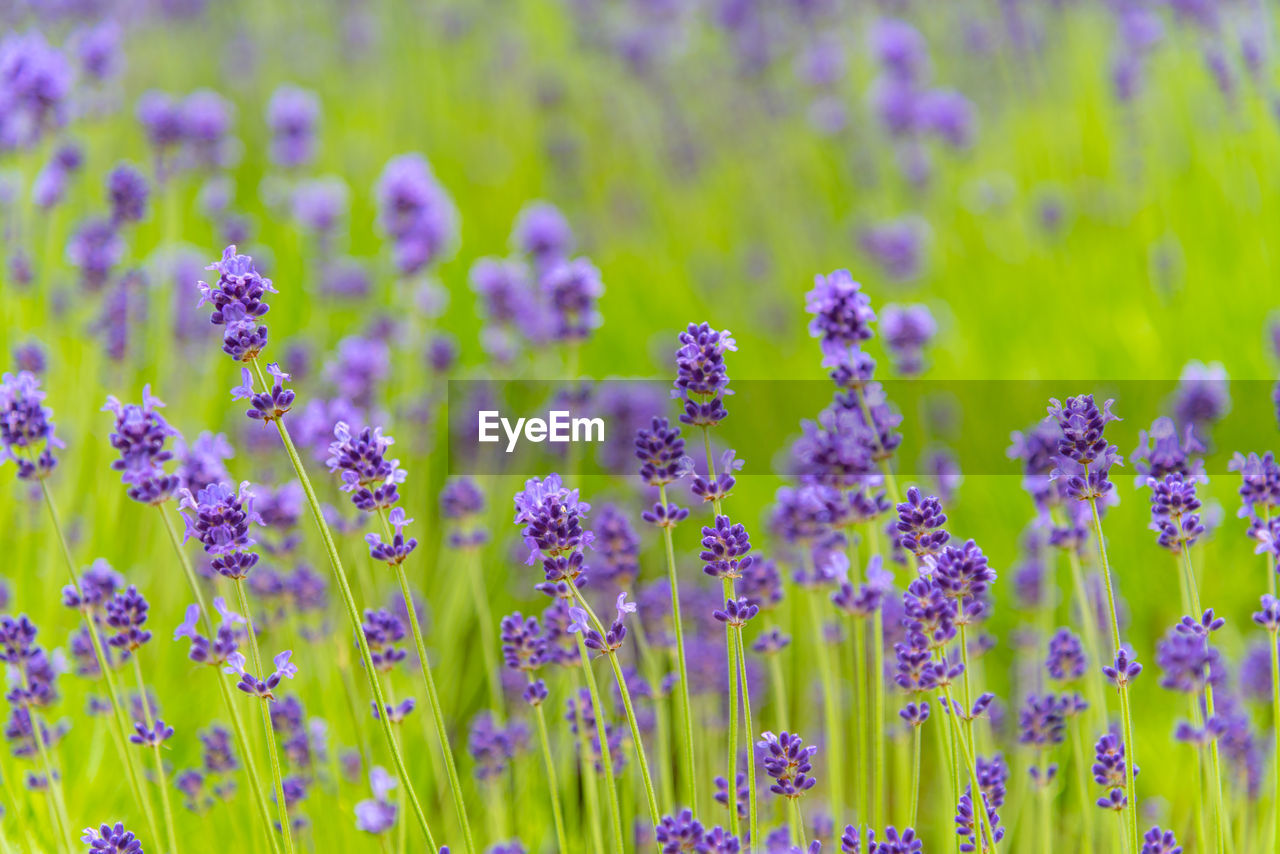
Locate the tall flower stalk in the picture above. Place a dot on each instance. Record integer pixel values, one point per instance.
(27, 433)
(237, 300)
(1084, 460)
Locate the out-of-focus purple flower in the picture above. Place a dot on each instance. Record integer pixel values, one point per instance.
(899, 49)
(896, 246)
(1066, 660)
(293, 115)
(205, 120)
(127, 193)
(493, 746)
(906, 329)
(377, 815)
(542, 232)
(95, 249)
(202, 462)
(1202, 396)
(35, 81)
(1259, 481)
(572, 290)
(1165, 450)
(30, 357)
(415, 212)
(842, 313)
(947, 114)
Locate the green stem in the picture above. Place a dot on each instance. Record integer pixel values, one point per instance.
(686, 710)
(161, 779)
(830, 704)
(433, 698)
(982, 827)
(1215, 754)
(281, 808)
(56, 804)
(1046, 815)
(602, 737)
(797, 823)
(1275, 734)
(1082, 787)
(751, 765)
(587, 779)
(104, 667)
(915, 774)
(484, 614)
(353, 614)
(630, 710)
(1131, 753)
(242, 740)
(552, 786)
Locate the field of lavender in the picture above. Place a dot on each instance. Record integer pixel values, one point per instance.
(987, 506)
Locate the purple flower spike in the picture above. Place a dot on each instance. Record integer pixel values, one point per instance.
(787, 761)
(1066, 661)
(225, 642)
(26, 428)
(237, 299)
(613, 636)
(394, 552)
(360, 460)
(1109, 767)
(524, 647)
(127, 613)
(1157, 841)
(127, 193)
(660, 450)
(1269, 616)
(270, 405)
(1124, 671)
(140, 437)
(736, 612)
(701, 377)
(665, 515)
(258, 687)
(572, 289)
(152, 736)
(1174, 515)
(111, 839)
(724, 549)
(842, 313)
(920, 522)
(915, 714)
(379, 814)
(552, 516)
(894, 843)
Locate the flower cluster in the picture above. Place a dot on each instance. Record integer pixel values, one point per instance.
(141, 435)
(219, 519)
(238, 301)
(26, 428)
(702, 379)
(552, 516)
(786, 760)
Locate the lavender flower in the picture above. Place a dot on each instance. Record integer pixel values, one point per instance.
(1157, 841)
(267, 406)
(127, 614)
(906, 331)
(415, 212)
(701, 377)
(1173, 511)
(724, 549)
(292, 115)
(842, 313)
(920, 522)
(786, 760)
(552, 517)
(612, 639)
(572, 289)
(1084, 458)
(26, 430)
(219, 519)
(392, 553)
(542, 232)
(217, 649)
(140, 437)
(111, 839)
(127, 193)
(377, 815)
(360, 460)
(660, 449)
(237, 299)
(254, 686)
(1066, 661)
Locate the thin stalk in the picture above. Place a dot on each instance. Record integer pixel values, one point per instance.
(553, 787)
(251, 771)
(484, 614)
(161, 779)
(281, 808)
(653, 675)
(587, 779)
(1131, 792)
(1202, 837)
(1215, 753)
(353, 614)
(630, 710)
(732, 776)
(915, 774)
(104, 667)
(686, 709)
(779, 690)
(1275, 735)
(433, 698)
(602, 737)
(830, 705)
(797, 823)
(1082, 786)
(860, 757)
(982, 827)
(878, 730)
(1046, 817)
(56, 804)
(751, 765)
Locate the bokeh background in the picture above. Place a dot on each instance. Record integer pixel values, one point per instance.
(1086, 205)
